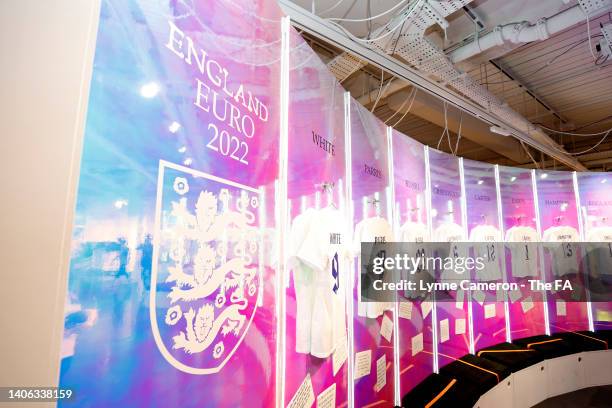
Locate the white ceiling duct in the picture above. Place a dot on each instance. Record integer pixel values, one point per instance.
(524, 32)
(419, 52)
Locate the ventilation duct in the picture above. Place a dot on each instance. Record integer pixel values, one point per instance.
(524, 32)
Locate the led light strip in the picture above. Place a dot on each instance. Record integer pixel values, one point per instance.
(464, 223)
(261, 253)
(536, 204)
(396, 340)
(434, 309)
(502, 230)
(349, 276)
(281, 213)
(582, 238)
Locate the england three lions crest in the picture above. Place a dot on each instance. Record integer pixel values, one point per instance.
(206, 275)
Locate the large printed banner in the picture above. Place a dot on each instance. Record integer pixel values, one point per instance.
(559, 224)
(488, 313)
(411, 225)
(373, 326)
(596, 211)
(526, 306)
(447, 223)
(319, 240)
(171, 291)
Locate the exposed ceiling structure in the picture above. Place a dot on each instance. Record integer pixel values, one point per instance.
(538, 70)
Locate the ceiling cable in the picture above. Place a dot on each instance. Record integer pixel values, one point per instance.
(445, 131)
(574, 134)
(584, 151)
(380, 91)
(589, 37)
(459, 133)
(331, 8)
(369, 22)
(549, 62)
(356, 20)
(450, 146)
(595, 146)
(409, 107)
(391, 31)
(529, 154)
(401, 106)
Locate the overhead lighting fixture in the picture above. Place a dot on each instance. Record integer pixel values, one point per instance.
(188, 161)
(603, 181)
(119, 204)
(512, 179)
(149, 90)
(500, 131)
(174, 127)
(543, 176)
(182, 149)
(480, 182)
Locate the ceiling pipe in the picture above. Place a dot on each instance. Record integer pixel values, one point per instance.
(519, 33)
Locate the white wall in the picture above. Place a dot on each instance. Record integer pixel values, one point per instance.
(46, 49)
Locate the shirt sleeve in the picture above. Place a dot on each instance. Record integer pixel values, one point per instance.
(297, 234)
(312, 249)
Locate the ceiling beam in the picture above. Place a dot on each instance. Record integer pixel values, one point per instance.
(513, 77)
(588, 159)
(323, 29)
(428, 108)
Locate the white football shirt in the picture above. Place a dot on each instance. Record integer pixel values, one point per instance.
(485, 237)
(375, 229)
(415, 232)
(453, 233)
(449, 232)
(600, 250)
(320, 246)
(524, 257)
(303, 277)
(564, 256)
(599, 234)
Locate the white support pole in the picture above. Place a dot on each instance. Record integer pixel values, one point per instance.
(464, 224)
(396, 339)
(434, 309)
(282, 216)
(351, 275)
(581, 226)
(502, 230)
(536, 204)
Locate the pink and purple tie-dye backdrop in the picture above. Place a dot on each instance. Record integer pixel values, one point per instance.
(409, 173)
(162, 79)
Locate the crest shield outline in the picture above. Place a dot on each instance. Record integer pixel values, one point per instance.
(200, 293)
